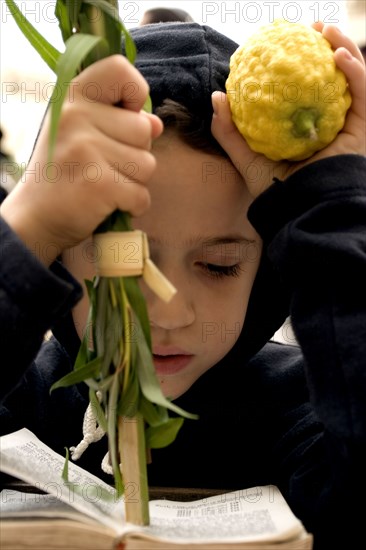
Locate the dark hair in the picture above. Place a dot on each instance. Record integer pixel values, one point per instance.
(192, 129)
(163, 15)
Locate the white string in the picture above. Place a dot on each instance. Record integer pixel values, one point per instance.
(92, 433)
(106, 465)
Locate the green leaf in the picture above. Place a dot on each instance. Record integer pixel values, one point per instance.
(112, 431)
(86, 354)
(73, 8)
(83, 355)
(154, 415)
(129, 47)
(111, 335)
(129, 401)
(65, 470)
(95, 491)
(98, 411)
(100, 316)
(109, 9)
(77, 47)
(48, 53)
(117, 221)
(148, 108)
(91, 287)
(138, 304)
(90, 370)
(88, 25)
(163, 435)
(112, 12)
(63, 19)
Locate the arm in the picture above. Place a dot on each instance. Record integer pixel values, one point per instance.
(318, 243)
(45, 214)
(31, 299)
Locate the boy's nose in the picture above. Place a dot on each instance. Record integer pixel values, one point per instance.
(176, 314)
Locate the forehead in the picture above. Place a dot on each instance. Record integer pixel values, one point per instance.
(179, 164)
(193, 192)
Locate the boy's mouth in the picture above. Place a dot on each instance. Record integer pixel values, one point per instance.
(169, 361)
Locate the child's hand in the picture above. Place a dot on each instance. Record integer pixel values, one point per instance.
(102, 161)
(258, 171)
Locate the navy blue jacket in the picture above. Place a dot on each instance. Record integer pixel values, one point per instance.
(291, 415)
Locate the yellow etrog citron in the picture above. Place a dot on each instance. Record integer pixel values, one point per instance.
(287, 96)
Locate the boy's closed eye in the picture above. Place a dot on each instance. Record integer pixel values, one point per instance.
(225, 257)
(219, 271)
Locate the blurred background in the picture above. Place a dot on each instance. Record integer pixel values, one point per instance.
(27, 83)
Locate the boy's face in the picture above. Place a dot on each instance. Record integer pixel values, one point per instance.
(200, 238)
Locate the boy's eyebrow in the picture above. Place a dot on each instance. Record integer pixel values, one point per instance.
(213, 241)
(199, 240)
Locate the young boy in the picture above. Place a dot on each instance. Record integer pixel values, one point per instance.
(242, 251)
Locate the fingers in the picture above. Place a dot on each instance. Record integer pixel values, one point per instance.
(112, 80)
(113, 138)
(156, 124)
(130, 163)
(133, 198)
(349, 59)
(122, 125)
(337, 40)
(354, 71)
(98, 90)
(96, 162)
(93, 127)
(356, 116)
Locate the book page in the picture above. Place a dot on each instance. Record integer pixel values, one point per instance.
(16, 504)
(256, 514)
(24, 456)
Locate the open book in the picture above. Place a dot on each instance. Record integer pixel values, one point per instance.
(74, 515)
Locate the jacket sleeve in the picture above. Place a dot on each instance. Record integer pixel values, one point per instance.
(32, 298)
(315, 224)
